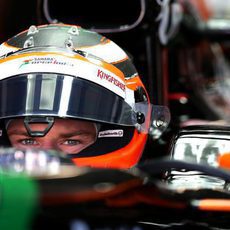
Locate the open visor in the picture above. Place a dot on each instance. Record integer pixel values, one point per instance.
(46, 94)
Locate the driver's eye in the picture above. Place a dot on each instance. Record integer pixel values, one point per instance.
(29, 142)
(72, 142)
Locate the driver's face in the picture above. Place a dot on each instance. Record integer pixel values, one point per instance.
(69, 136)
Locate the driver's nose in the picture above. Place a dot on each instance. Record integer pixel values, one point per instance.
(49, 145)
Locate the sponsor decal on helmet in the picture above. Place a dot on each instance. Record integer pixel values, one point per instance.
(45, 60)
(109, 78)
(111, 133)
(64, 65)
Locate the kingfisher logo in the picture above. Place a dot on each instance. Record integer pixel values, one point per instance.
(109, 78)
(45, 60)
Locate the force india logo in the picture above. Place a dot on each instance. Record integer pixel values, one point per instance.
(109, 78)
(47, 60)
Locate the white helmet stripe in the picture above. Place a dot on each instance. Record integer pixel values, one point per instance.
(64, 65)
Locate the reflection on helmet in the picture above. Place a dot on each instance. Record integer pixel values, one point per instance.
(63, 71)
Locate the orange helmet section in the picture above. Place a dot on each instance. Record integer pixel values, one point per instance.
(125, 157)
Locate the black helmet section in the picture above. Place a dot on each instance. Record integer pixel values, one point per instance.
(4, 140)
(122, 136)
(119, 137)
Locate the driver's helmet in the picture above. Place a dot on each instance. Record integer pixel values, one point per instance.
(54, 72)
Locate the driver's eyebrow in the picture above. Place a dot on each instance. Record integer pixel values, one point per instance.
(65, 135)
(18, 132)
(77, 133)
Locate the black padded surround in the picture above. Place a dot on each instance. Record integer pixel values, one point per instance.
(107, 144)
(101, 146)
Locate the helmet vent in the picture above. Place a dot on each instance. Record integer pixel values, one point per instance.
(29, 42)
(32, 30)
(69, 42)
(73, 30)
(33, 120)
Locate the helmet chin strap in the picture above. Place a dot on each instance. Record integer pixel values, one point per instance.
(38, 120)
